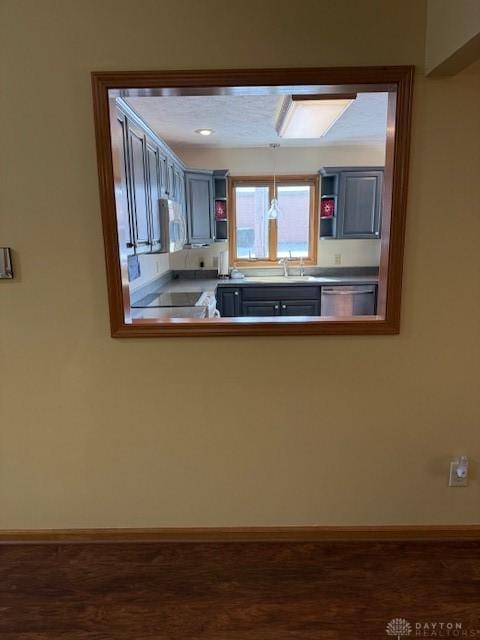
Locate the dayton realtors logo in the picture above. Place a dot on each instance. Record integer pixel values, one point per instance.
(401, 628)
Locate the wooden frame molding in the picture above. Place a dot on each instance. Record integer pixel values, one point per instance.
(397, 80)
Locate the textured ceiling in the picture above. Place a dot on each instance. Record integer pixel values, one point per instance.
(249, 121)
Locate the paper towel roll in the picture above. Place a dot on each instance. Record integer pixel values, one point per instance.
(223, 263)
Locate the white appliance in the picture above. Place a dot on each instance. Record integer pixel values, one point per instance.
(173, 226)
(208, 300)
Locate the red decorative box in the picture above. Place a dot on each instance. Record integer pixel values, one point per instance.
(327, 208)
(220, 210)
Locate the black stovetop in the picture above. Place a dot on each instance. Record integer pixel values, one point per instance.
(174, 299)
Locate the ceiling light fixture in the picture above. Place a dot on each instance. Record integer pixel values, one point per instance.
(204, 132)
(311, 116)
(274, 212)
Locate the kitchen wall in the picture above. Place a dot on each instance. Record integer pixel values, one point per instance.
(191, 258)
(97, 432)
(152, 266)
(353, 253)
(290, 160)
(261, 161)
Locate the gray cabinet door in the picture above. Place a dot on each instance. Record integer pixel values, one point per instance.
(153, 165)
(228, 302)
(178, 178)
(170, 190)
(122, 191)
(359, 204)
(162, 160)
(200, 220)
(138, 175)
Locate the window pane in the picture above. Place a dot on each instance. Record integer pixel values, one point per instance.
(251, 207)
(293, 221)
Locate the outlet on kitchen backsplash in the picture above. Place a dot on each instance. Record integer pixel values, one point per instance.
(191, 258)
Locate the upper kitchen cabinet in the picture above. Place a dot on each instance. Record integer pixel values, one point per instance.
(200, 206)
(140, 209)
(122, 188)
(163, 172)
(154, 195)
(351, 202)
(151, 172)
(179, 186)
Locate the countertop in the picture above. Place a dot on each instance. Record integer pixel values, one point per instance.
(210, 284)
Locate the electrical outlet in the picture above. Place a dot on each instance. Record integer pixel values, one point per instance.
(157, 266)
(458, 472)
(337, 258)
(215, 262)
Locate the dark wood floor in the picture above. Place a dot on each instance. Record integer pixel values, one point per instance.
(285, 590)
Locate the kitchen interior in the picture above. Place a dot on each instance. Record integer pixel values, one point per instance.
(257, 205)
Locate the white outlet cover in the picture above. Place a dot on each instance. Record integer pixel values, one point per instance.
(457, 479)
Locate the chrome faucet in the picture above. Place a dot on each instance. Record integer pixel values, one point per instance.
(284, 263)
(302, 268)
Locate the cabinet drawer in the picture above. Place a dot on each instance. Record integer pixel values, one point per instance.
(265, 309)
(300, 308)
(288, 292)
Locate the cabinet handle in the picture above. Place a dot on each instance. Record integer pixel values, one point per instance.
(358, 292)
(235, 293)
(276, 307)
(284, 306)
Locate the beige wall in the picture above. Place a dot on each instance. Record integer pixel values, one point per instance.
(234, 431)
(453, 35)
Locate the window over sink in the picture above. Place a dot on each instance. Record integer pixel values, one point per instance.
(258, 240)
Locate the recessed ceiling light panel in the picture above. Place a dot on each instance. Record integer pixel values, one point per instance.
(204, 132)
(311, 116)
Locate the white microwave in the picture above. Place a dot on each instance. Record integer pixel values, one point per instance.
(173, 226)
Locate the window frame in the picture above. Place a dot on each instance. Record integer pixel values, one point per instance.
(289, 180)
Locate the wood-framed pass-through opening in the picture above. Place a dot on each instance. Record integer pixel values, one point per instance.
(111, 87)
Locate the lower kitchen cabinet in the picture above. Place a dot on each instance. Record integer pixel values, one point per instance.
(282, 308)
(300, 308)
(253, 309)
(229, 302)
(299, 300)
(268, 301)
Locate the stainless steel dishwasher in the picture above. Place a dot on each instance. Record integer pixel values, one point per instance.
(349, 300)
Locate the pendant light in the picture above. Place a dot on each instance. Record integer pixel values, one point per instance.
(274, 211)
